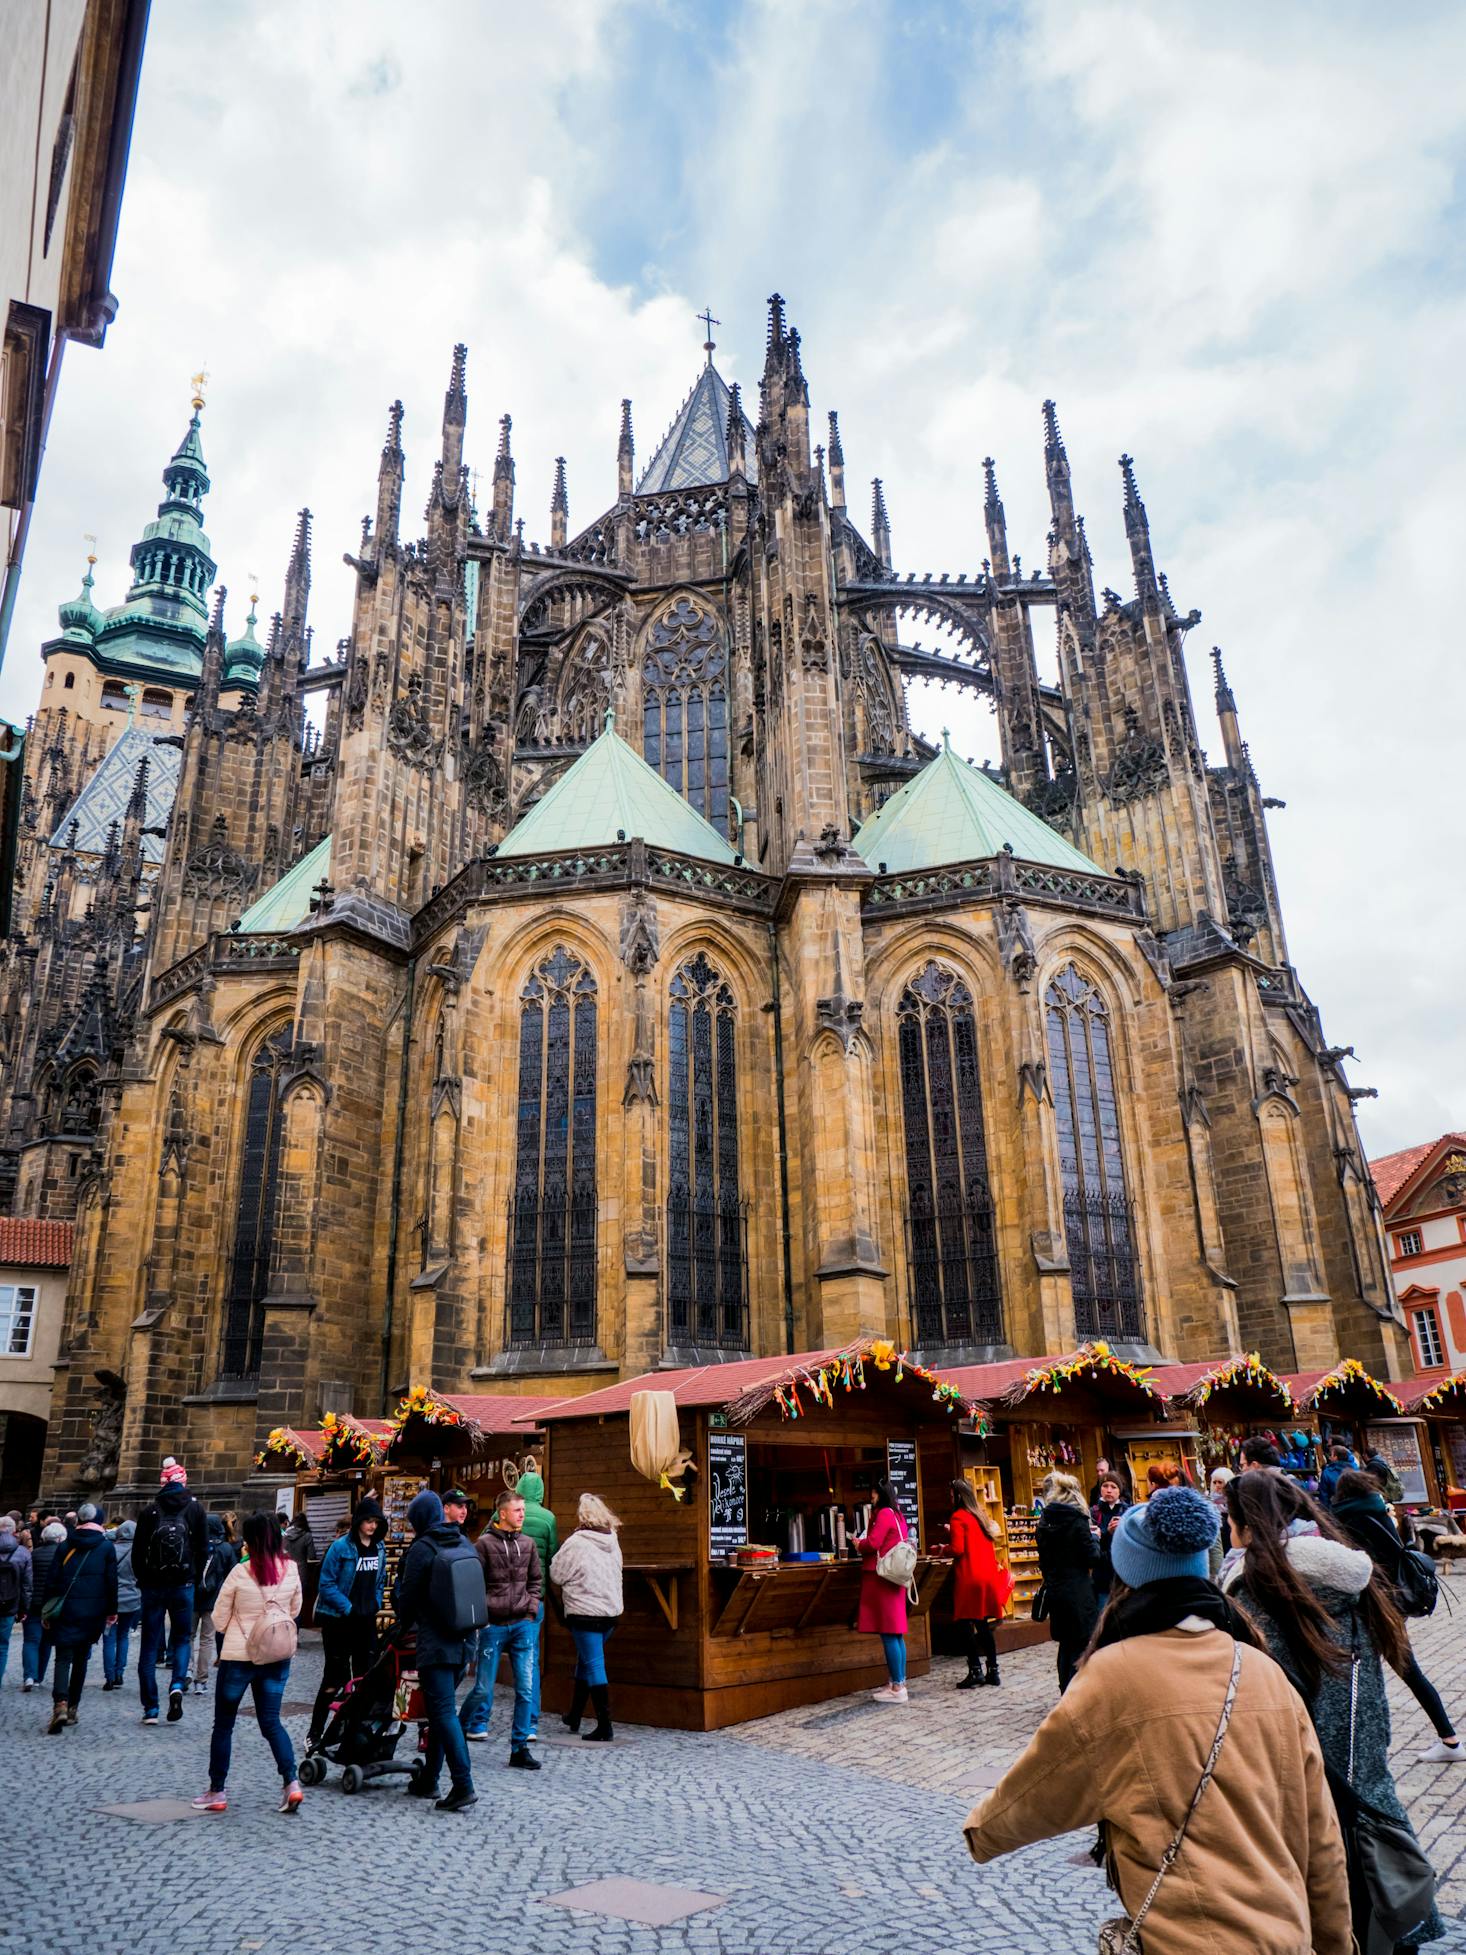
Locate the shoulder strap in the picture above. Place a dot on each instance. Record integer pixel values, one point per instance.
(1172, 1852)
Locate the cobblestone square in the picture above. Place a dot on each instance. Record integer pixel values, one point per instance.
(833, 1828)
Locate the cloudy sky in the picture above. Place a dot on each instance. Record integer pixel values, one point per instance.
(1228, 240)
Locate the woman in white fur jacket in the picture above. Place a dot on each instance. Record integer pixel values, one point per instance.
(587, 1572)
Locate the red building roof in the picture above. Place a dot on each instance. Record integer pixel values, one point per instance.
(1392, 1171)
(26, 1243)
(705, 1384)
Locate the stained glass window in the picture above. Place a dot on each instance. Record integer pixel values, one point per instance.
(955, 1294)
(685, 730)
(553, 1211)
(1099, 1222)
(255, 1209)
(706, 1224)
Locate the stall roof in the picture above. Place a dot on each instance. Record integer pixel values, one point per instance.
(1193, 1384)
(1433, 1394)
(475, 1416)
(310, 1446)
(1346, 1377)
(1093, 1365)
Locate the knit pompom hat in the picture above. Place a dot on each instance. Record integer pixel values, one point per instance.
(1165, 1539)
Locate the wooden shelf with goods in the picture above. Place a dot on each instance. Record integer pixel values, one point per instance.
(1022, 1548)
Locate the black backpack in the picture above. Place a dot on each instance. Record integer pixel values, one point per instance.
(458, 1603)
(1416, 1587)
(170, 1551)
(10, 1582)
(216, 1568)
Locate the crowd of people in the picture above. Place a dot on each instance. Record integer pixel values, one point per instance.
(1222, 1716)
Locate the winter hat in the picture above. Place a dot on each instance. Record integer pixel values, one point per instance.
(425, 1511)
(1164, 1540)
(172, 1474)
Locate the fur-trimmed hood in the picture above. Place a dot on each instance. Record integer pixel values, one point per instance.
(1323, 1564)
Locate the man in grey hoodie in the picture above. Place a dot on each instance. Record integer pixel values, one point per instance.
(118, 1633)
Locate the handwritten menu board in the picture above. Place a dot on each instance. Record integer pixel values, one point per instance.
(727, 1492)
(901, 1466)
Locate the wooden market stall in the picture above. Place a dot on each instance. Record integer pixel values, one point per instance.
(479, 1441)
(1219, 1404)
(1440, 1403)
(291, 1457)
(1349, 1404)
(741, 1596)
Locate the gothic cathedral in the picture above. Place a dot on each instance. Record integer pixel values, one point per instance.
(588, 969)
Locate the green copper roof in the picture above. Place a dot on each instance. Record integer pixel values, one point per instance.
(951, 812)
(610, 789)
(80, 618)
(244, 656)
(287, 903)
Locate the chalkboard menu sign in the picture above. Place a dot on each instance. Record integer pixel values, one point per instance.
(727, 1491)
(901, 1466)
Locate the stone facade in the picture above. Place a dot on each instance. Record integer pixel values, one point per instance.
(308, 1182)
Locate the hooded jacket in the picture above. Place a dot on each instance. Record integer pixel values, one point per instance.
(1338, 1576)
(587, 1572)
(85, 1573)
(539, 1523)
(1262, 1869)
(1329, 1478)
(172, 1499)
(410, 1596)
(1067, 1551)
(338, 1570)
(513, 1579)
(1368, 1525)
(129, 1595)
(220, 1559)
(14, 1552)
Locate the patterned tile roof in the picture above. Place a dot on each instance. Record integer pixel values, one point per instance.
(286, 904)
(694, 450)
(29, 1244)
(105, 797)
(611, 788)
(952, 812)
(1392, 1171)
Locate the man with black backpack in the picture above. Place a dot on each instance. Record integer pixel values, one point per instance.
(168, 1555)
(440, 1597)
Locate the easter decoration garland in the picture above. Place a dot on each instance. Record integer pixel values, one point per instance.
(1351, 1376)
(820, 1378)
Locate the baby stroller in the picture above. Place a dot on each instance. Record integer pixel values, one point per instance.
(366, 1722)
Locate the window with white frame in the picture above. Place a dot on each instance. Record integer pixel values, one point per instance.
(17, 1314)
(1408, 1243)
(1428, 1340)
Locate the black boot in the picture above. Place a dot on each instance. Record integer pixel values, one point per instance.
(974, 1673)
(600, 1695)
(571, 1718)
(992, 1675)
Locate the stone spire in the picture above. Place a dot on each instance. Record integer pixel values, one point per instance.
(996, 520)
(880, 524)
(1137, 533)
(504, 483)
(559, 507)
(1069, 562)
(455, 414)
(737, 447)
(1227, 714)
(625, 454)
(389, 483)
(837, 463)
(298, 577)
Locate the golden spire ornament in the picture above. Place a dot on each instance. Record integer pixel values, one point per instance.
(200, 381)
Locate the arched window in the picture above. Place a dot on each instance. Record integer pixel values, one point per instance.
(585, 693)
(707, 1293)
(1098, 1221)
(114, 696)
(552, 1222)
(67, 683)
(685, 733)
(955, 1298)
(156, 704)
(255, 1207)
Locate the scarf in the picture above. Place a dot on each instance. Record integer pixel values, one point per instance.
(1161, 1605)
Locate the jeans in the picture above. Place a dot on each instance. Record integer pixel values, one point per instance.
(35, 1648)
(175, 1607)
(518, 1638)
(590, 1654)
(895, 1648)
(1427, 1697)
(439, 1684)
(349, 1644)
(114, 1644)
(534, 1695)
(70, 1672)
(267, 1681)
(7, 1624)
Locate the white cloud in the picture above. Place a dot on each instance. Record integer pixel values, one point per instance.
(1223, 240)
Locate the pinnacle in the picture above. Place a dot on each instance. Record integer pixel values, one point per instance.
(990, 483)
(560, 498)
(837, 452)
(1053, 440)
(878, 517)
(216, 616)
(392, 448)
(776, 318)
(506, 422)
(626, 437)
(457, 391)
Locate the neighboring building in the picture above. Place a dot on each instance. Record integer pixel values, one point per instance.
(68, 86)
(34, 1257)
(618, 980)
(1422, 1192)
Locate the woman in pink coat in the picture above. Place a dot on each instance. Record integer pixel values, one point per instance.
(883, 1603)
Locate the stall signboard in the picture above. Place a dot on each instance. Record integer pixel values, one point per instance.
(1456, 1447)
(901, 1466)
(1400, 1445)
(727, 1492)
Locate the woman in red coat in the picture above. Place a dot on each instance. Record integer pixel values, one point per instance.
(883, 1603)
(980, 1588)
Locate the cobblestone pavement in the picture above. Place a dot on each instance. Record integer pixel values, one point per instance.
(831, 1828)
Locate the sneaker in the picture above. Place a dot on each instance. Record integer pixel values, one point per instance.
(293, 1798)
(210, 1802)
(458, 1800)
(71, 1714)
(150, 1717)
(1441, 1753)
(894, 1693)
(175, 1706)
(477, 1737)
(524, 1760)
(28, 1683)
(201, 1689)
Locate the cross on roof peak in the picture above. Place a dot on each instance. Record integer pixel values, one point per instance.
(708, 321)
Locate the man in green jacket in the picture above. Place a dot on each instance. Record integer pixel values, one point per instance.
(539, 1525)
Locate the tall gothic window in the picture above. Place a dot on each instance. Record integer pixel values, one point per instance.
(1099, 1225)
(955, 1298)
(585, 693)
(255, 1209)
(552, 1222)
(707, 1298)
(685, 734)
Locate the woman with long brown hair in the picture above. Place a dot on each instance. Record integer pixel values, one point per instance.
(255, 1613)
(1330, 1621)
(980, 1587)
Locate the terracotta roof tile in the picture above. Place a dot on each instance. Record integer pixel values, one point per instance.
(28, 1243)
(1392, 1171)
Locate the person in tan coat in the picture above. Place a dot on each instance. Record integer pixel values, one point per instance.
(1262, 1864)
(265, 1586)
